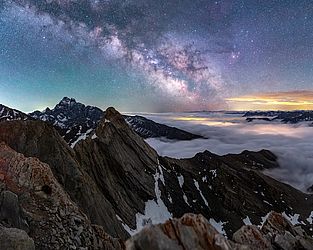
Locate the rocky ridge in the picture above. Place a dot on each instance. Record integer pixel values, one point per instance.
(33, 200)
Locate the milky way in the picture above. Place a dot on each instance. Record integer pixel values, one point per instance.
(152, 55)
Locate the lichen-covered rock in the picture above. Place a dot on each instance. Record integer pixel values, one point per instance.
(253, 237)
(189, 232)
(54, 220)
(284, 235)
(194, 232)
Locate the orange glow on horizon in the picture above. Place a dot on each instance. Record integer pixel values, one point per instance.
(292, 100)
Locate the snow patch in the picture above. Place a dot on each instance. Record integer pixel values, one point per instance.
(155, 211)
(203, 198)
(127, 228)
(247, 221)
(294, 219)
(181, 183)
(180, 180)
(218, 226)
(214, 173)
(310, 218)
(264, 219)
(81, 137)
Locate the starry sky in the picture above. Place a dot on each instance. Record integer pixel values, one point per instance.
(157, 56)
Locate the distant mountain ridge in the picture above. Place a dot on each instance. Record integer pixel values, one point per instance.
(9, 114)
(76, 121)
(282, 116)
(147, 128)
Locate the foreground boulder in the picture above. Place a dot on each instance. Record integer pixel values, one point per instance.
(15, 239)
(195, 232)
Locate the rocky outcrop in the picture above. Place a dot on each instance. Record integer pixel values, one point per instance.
(11, 214)
(40, 204)
(121, 164)
(195, 232)
(41, 140)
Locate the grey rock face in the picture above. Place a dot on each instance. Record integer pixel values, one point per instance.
(15, 239)
(121, 164)
(10, 212)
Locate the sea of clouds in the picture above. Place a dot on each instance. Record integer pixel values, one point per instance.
(231, 133)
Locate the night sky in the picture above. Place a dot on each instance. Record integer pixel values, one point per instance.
(157, 55)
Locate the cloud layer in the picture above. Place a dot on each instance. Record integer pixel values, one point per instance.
(231, 134)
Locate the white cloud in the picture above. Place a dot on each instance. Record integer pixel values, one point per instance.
(232, 134)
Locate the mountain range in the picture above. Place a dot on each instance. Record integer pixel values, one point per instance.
(282, 116)
(75, 122)
(104, 183)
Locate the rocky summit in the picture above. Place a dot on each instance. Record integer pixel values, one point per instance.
(112, 188)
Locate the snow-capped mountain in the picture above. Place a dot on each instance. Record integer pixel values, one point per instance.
(69, 113)
(76, 121)
(73, 120)
(8, 114)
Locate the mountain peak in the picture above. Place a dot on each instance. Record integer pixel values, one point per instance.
(66, 101)
(112, 115)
